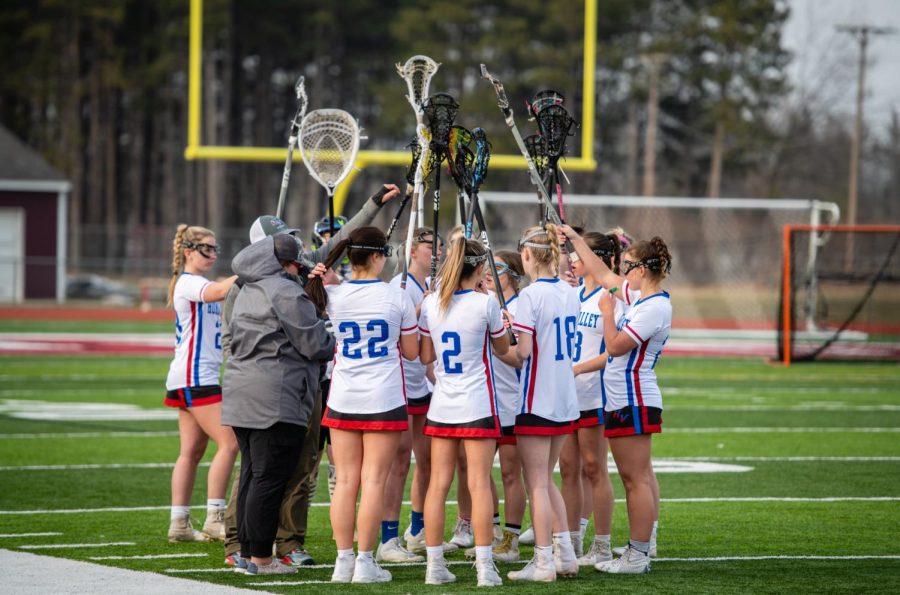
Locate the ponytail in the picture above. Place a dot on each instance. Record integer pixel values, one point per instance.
(607, 247)
(184, 234)
(463, 259)
(543, 243)
(315, 288)
(654, 255)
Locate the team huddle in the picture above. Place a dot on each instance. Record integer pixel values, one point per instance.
(324, 356)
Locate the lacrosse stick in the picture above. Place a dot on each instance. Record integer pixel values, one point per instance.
(542, 99)
(543, 196)
(555, 125)
(417, 73)
(537, 149)
(460, 161)
(424, 165)
(440, 110)
(300, 90)
(329, 140)
(479, 172)
(410, 180)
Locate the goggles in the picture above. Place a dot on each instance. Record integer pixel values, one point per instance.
(205, 250)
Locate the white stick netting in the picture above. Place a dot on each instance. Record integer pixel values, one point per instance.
(417, 72)
(329, 140)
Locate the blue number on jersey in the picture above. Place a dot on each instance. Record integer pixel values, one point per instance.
(374, 349)
(567, 326)
(576, 350)
(452, 339)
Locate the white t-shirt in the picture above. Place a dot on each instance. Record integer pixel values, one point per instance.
(198, 345)
(629, 379)
(413, 370)
(548, 312)
(464, 391)
(368, 317)
(507, 377)
(589, 344)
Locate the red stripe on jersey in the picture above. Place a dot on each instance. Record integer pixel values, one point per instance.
(634, 333)
(636, 373)
(490, 382)
(343, 424)
(533, 376)
(190, 357)
(402, 375)
(527, 329)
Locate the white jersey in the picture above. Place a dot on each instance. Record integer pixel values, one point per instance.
(507, 377)
(413, 370)
(198, 327)
(589, 344)
(464, 391)
(629, 379)
(368, 317)
(548, 312)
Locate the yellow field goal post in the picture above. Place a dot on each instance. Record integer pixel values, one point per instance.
(195, 150)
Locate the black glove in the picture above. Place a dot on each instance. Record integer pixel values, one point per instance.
(376, 198)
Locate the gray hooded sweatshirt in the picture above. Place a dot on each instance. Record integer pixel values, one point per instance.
(277, 343)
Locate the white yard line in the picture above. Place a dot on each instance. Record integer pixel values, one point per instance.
(14, 535)
(752, 558)
(148, 557)
(62, 546)
(781, 430)
(51, 435)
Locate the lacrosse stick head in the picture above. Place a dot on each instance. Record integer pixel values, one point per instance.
(440, 111)
(542, 99)
(461, 158)
(328, 142)
(416, 151)
(482, 158)
(417, 72)
(537, 149)
(555, 125)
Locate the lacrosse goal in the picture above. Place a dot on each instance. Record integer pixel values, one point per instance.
(840, 293)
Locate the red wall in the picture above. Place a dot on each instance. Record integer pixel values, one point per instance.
(40, 240)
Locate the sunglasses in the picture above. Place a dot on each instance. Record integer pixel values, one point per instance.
(205, 250)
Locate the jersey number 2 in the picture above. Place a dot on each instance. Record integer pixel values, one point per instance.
(452, 348)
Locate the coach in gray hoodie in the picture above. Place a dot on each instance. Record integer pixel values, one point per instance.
(277, 342)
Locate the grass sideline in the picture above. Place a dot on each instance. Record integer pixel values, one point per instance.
(855, 454)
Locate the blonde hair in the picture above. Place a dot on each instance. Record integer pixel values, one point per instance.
(543, 245)
(455, 268)
(184, 233)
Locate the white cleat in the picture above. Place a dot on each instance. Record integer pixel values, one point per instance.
(462, 534)
(535, 571)
(367, 570)
(599, 552)
(416, 543)
(508, 550)
(631, 562)
(180, 529)
(578, 544)
(392, 551)
(527, 537)
(436, 573)
(487, 574)
(214, 526)
(564, 558)
(620, 551)
(343, 569)
(496, 540)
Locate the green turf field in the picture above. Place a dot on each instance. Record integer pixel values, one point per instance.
(813, 505)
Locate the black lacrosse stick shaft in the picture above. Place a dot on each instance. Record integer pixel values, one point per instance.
(435, 215)
(479, 217)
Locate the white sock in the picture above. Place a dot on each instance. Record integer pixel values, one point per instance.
(179, 512)
(345, 553)
(434, 553)
(564, 538)
(482, 552)
(543, 553)
(601, 539)
(213, 504)
(653, 532)
(365, 556)
(584, 524)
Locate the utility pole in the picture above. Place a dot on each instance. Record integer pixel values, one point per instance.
(861, 34)
(654, 64)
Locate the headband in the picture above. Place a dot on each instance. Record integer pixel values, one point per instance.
(387, 249)
(475, 260)
(524, 241)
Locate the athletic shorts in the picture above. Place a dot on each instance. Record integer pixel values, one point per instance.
(535, 425)
(418, 406)
(508, 435)
(590, 418)
(393, 420)
(486, 427)
(633, 421)
(193, 396)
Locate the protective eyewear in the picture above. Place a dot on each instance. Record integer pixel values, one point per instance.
(205, 250)
(629, 265)
(427, 238)
(387, 249)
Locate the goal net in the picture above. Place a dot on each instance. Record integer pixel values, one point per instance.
(726, 252)
(840, 293)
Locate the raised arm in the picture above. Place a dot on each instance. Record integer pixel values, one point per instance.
(593, 264)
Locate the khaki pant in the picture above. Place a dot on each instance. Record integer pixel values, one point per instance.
(292, 519)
